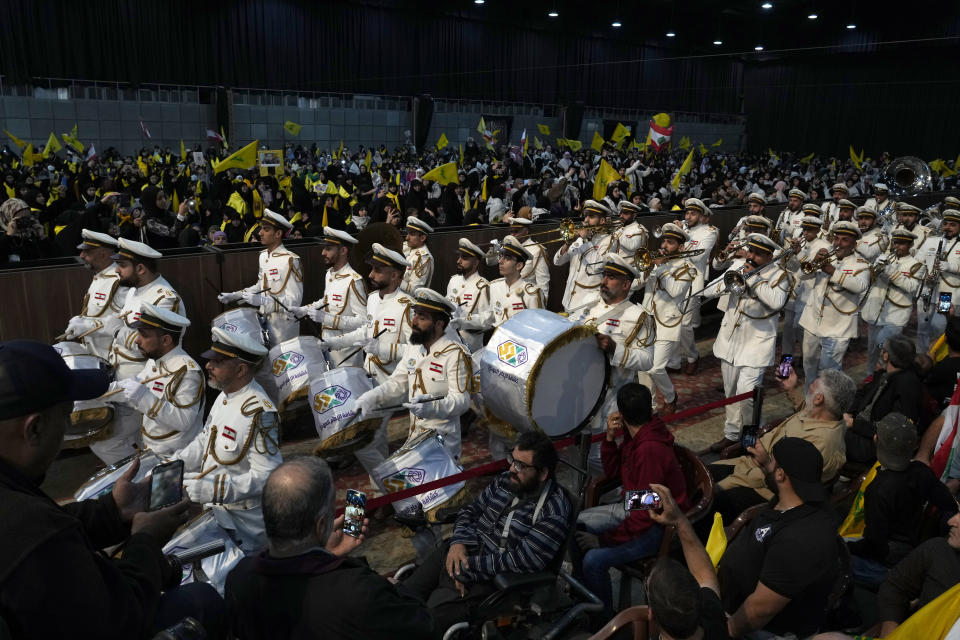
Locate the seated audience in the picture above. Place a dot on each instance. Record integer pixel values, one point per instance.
(941, 380)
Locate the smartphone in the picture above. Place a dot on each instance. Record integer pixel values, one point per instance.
(166, 485)
(748, 436)
(785, 367)
(945, 302)
(354, 513)
(641, 500)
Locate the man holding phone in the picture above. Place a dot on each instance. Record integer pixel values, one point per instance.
(944, 252)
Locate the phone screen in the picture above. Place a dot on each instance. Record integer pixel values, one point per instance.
(166, 485)
(785, 367)
(748, 438)
(641, 500)
(354, 513)
(945, 302)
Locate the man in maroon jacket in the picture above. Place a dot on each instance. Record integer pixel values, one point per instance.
(609, 534)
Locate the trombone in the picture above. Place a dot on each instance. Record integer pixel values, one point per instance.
(724, 254)
(644, 259)
(568, 230)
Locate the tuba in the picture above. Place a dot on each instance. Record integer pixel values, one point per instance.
(907, 176)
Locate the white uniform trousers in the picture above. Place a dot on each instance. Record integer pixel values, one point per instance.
(663, 350)
(930, 325)
(125, 438)
(737, 380)
(821, 353)
(377, 451)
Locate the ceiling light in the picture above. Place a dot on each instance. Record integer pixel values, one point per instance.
(671, 34)
(851, 26)
(718, 42)
(478, 1)
(759, 47)
(615, 23)
(766, 5)
(553, 14)
(812, 16)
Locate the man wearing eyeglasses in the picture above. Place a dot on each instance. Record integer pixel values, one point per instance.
(518, 524)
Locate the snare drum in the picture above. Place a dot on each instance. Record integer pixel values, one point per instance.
(333, 401)
(292, 364)
(102, 481)
(243, 320)
(202, 529)
(417, 462)
(90, 419)
(539, 371)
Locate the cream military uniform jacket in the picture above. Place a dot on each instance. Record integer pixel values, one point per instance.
(390, 314)
(833, 305)
(949, 280)
(102, 303)
(894, 291)
(227, 465)
(748, 331)
(872, 244)
(346, 299)
(125, 355)
(702, 236)
(626, 240)
(667, 288)
(831, 212)
(801, 288)
(789, 224)
(507, 301)
(171, 400)
(420, 271)
(921, 232)
(886, 207)
(280, 277)
(472, 295)
(586, 259)
(631, 328)
(444, 371)
(537, 271)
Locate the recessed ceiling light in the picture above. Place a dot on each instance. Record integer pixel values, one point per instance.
(812, 16)
(671, 34)
(615, 23)
(718, 42)
(766, 5)
(851, 26)
(553, 14)
(759, 47)
(478, 1)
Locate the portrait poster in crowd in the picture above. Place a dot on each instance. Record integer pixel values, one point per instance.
(499, 127)
(270, 161)
(198, 158)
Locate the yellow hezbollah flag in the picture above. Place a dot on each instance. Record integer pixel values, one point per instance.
(444, 174)
(703, 150)
(575, 145)
(717, 541)
(292, 127)
(339, 151)
(52, 146)
(856, 159)
(17, 141)
(483, 194)
(682, 171)
(717, 143)
(544, 129)
(72, 140)
(343, 193)
(605, 175)
(28, 156)
(243, 158)
(684, 143)
(536, 143)
(597, 143)
(368, 160)
(938, 351)
(257, 204)
(932, 622)
(619, 133)
(442, 142)
(183, 151)
(461, 155)
(807, 158)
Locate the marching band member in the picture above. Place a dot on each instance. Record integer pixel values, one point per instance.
(845, 210)
(509, 294)
(873, 241)
(630, 235)
(804, 247)
(470, 292)
(746, 343)
(756, 205)
(898, 277)
(343, 306)
(625, 334)
(829, 319)
(789, 220)
(279, 285)
(702, 235)
(586, 255)
(169, 391)
(98, 319)
(908, 217)
(667, 289)
(941, 257)
(420, 272)
(831, 209)
(227, 465)
(882, 204)
(433, 377)
(537, 270)
(137, 267)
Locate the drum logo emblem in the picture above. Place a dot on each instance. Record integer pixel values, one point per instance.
(229, 328)
(329, 398)
(286, 361)
(404, 479)
(512, 353)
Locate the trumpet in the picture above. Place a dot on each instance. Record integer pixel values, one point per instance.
(812, 266)
(724, 254)
(658, 230)
(568, 230)
(644, 259)
(882, 263)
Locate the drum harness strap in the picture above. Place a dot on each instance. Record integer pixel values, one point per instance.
(170, 395)
(516, 504)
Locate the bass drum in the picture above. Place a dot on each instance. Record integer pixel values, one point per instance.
(102, 481)
(243, 320)
(213, 570)
(90, 420)
(333, 402)
(292, 364)
(541, 372)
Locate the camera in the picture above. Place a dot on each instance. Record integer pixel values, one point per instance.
(186, 629)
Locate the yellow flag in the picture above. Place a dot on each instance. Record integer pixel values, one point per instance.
(483, 194)
(331, 188)
(703, 150)
(183, 151)
(717, 541)
(444, 174)
(605, 175)
(597, 143)
(466, 201)
(853, 524)
(772, 154)
(28, 156)
(368, 160)
(536, 143)
(343, 193)
(442, 142)
(938, 350)
(717, 143)
(292, 127)
(223, 138)
(619, 133)
(257, 204)
(339, 151)
(52, 146)
(932, 622)
(575, 145)
(856, 159)
(71, 139)
(544, 129)
(241, 159)
(17, 141)
(682, 171)
(684, 143)
(482, 127)
(807, 158)
(461, 155)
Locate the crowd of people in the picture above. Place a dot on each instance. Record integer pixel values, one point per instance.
(802, 276)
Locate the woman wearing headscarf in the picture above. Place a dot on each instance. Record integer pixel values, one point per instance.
(21, 235)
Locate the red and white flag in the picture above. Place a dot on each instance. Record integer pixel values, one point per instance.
(523, 141)
(660, 136)
(91, 154)
(146, 131)
(213, 135)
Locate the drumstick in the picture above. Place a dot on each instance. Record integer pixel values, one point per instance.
(145, 381)
(317, 330)
(391, 409)
(359, 349)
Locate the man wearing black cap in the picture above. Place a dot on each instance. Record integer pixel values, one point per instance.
(777, 573)
(54, 583)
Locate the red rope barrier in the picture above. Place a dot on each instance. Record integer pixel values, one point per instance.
(499, 465)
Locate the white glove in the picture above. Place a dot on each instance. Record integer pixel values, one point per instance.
(421, 409)
(199, 490)
(367, 403)
(298, 313)
(373, 347)
(252, 299)
(227, 298)
(79, 325)
(129, 391)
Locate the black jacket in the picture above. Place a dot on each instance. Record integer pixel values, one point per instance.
(317, 595)
(53, 581)
(900, 392)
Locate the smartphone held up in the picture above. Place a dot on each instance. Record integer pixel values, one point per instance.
(354, 513)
